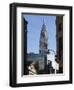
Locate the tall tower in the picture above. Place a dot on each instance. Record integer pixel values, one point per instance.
(24, 46)
(59, 42)
(43, 43)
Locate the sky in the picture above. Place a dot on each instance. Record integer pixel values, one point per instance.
(34, 26)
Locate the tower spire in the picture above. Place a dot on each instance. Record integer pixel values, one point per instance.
(43, 21)
(43, 46)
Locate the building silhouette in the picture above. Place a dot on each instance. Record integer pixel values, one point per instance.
(59, 42)
(24, 46)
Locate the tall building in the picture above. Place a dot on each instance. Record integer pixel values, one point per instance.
(43, 45)
(59, 42)
(24, 45)
(40, 59)
(43, 42)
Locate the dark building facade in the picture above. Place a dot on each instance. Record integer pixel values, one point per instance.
(24, 46)
(59, 42)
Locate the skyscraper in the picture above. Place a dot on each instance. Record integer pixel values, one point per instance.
(43, 42)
